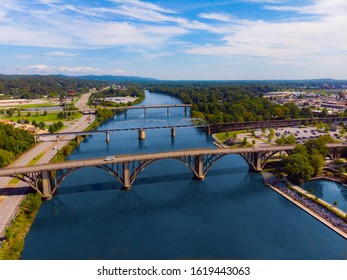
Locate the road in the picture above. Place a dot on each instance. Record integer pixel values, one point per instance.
(11, 195)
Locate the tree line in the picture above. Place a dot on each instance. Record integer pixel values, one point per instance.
(13, 142)
(232, 102)
(30, 87)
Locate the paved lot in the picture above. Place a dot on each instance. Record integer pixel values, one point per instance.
(301, 134)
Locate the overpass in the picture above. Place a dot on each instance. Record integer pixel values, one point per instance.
(46, 178)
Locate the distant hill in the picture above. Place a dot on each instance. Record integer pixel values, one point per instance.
(118, 79)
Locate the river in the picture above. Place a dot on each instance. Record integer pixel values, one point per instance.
(167, 214)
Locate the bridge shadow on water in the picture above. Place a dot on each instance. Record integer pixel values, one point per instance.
(149, 180)
(149, 196)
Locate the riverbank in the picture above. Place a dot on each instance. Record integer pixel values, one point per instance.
(301, 198)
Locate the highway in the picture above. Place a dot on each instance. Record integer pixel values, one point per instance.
(12, 195)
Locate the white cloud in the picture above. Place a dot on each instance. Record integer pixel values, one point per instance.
(67, 70)
(215, 16)
(143, 5)
(318, 7)
(321, 38)
(265, 1)
(61, 54)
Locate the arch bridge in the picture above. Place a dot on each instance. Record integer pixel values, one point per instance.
(46, 178)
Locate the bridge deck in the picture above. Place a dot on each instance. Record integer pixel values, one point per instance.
(139, 157)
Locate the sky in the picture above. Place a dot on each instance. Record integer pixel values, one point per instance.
(176, 40)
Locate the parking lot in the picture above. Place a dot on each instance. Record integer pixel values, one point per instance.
(301, 134)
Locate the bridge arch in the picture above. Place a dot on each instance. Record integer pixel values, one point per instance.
(27, 178)
(189, 161)
(68, 172)
(146, 163)
(270, 155)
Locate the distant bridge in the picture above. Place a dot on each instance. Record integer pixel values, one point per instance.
(139, 125)
(46, 178)
(144, 107)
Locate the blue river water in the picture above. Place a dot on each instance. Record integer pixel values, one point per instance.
(329, 191)
(167, 214)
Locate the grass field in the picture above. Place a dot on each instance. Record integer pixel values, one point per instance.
(50, 117)
(223, 136)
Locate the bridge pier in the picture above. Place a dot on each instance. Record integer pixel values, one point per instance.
(257, 162)
(145, 112)
(126, 176)
(199, 167)
(47, 188)
(58, 138)
(185, 111)
(173, 132)
(107, 136)
(167, 111)
(141, 134)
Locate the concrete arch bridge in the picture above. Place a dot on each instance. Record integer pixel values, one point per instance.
(46, 178)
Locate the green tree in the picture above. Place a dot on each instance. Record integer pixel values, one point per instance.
(244, 142)
(51, 129)
(317, 162)
(326, 128)
(41, 125)
(320, 126)
(5, 157)
(298, 168)
(10, 112)
(316, 146)
(271, 134)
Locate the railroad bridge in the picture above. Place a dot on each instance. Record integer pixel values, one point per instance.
(46, 178)
(224, 127)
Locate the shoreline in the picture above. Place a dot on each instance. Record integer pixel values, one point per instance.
(266, 180)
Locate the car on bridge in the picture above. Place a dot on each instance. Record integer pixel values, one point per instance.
(109, 158)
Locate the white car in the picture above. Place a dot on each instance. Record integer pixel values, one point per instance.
(109, 158)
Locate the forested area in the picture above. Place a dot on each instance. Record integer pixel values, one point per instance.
(30, 87)
(218, 103)
(13, 142)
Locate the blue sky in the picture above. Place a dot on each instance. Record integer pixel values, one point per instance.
(190, 40)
